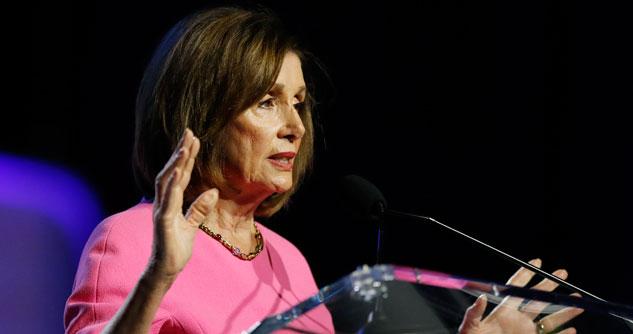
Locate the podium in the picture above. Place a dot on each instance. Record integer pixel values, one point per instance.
(397, 299)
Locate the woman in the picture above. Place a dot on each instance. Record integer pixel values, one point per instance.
(231, 81)
(225, 103)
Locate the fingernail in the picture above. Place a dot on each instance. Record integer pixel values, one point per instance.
(562, 273)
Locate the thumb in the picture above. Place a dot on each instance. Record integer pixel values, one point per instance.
(473, 315)
(202, 207)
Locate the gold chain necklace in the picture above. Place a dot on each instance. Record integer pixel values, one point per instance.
(235, 250)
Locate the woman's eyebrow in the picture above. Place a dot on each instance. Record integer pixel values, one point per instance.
(279, 87)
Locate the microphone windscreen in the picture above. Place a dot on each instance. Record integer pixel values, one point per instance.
(361, 198)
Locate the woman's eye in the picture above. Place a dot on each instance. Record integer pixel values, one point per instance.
(268, 103)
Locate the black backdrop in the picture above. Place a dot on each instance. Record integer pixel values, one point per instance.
(509, 121)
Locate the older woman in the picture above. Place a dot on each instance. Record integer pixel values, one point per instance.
(226, 94)
(224, 103)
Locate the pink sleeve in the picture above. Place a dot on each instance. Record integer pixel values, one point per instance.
(112, 261)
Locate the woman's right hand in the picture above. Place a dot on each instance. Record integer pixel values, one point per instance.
(174, 233)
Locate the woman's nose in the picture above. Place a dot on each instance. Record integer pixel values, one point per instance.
(292, 128)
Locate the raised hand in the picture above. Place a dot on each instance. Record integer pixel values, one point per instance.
(174, 233)
(510, 317)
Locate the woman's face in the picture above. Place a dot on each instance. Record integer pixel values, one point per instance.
(264, 139)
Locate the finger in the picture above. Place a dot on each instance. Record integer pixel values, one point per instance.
(184, 143)
(534, 308)
(549, 285)
(473, 314)
(523, 276)
(188, 168)
(202, 207)
(172, 201)
(162, 179)
(187, 144)
(570, 330)
(520, 278)
(178, 157)
(559, 318)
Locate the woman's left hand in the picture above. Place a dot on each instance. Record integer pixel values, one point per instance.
(508, 318)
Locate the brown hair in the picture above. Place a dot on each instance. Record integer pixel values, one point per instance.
(210, 67)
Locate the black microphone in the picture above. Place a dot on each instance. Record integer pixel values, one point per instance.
(367, 201)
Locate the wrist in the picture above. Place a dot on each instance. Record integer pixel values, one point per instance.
(155, 276)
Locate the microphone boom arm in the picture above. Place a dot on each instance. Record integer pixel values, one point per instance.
(499, 253)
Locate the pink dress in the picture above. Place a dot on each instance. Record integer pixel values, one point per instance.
(215, 293)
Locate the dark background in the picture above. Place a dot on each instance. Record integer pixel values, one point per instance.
(509, 121)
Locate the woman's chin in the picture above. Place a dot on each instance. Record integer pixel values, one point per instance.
(282, 184)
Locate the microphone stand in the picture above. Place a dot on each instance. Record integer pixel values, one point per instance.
(379, 243)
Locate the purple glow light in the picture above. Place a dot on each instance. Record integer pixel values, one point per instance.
(52, 192)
